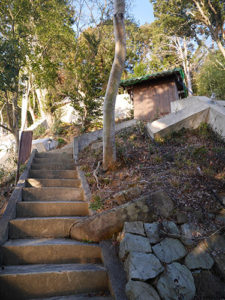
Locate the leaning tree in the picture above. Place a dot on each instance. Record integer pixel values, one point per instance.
(109, 146)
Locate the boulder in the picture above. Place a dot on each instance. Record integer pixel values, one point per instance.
(199, 259)
(134, 243)
(102, 226)
(137, 290)
(134, 227)
(176, 283)
(163, 204)
(189, 232)
(169, 250)
(127, 195)
(152, 232)
(171, 229)
(142, 266)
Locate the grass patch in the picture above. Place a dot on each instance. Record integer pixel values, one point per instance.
(96, 203)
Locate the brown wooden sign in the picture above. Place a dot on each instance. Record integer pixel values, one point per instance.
(25, 146)
(24, 149)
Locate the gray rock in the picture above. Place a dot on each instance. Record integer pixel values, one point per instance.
(189, 232)
(152, 232)
(141, 266)
(163, 204)
(199, 259)
(186, 233)
(137, 290)
(134, 227)
(176, 283)
(127, 195)
(171, 229)
(134, 243)
(169, 250)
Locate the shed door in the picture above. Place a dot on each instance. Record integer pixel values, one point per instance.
(153, 100)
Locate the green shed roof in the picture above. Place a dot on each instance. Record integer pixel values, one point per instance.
(134, 81)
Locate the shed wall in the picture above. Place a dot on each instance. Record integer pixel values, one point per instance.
(152, 100)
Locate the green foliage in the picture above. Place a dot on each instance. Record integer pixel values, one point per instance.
(198, 19)
(200, 152)
(59, 128)
(210, 78)
(140, 69)
(204, 130)
(61, 142)
(39, 131)
(96, 203)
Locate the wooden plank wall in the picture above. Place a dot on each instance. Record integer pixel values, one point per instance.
(153, 100)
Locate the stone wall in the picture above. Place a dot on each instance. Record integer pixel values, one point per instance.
(161, 262)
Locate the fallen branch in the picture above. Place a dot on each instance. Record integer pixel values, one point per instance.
(95, 174)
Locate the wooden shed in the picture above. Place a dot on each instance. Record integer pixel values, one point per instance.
(152, 94)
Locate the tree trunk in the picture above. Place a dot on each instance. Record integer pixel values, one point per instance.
(25, 99)
(187, 69)
(109, 147)
(1, 120)
(15, 117)
(220, 46)
(32, 113)
(40, 102)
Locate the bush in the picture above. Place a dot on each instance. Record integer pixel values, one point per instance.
(39, 131)
(210, 79)
(96, 203)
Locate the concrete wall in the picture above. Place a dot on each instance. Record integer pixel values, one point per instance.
(190, 113)
(182, 103)
(216, 119)
(86, 139)
(189, 117)
(10, 211)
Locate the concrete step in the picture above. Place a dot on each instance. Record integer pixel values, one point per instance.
(49, 251)
(52, 155)
(52, 194)
(36, 281)
(53, 166)
(51, 209)
(90, 296)
(33, 182)
(48, 227)
(53, 159)
(53, 174)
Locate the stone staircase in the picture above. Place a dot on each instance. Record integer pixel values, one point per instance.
(39, 260)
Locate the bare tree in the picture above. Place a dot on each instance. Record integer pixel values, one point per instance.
(109, 147)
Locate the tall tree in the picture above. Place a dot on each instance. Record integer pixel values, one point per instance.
(34, 40)
(14, 49)
(109, 147)
(194, 18)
